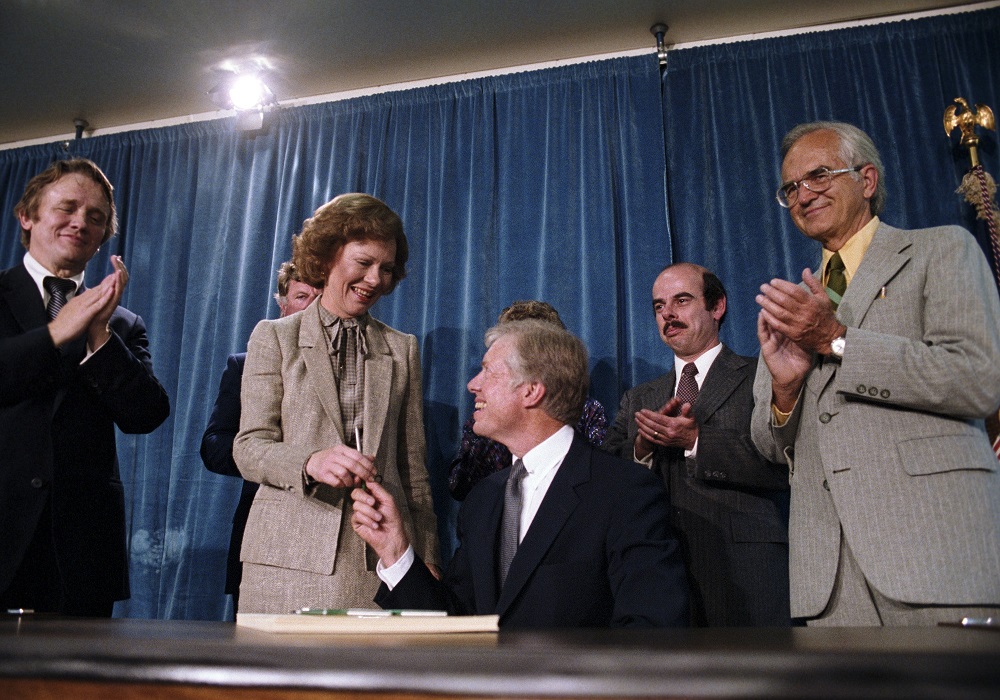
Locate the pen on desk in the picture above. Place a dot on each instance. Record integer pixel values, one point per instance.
(366, 612)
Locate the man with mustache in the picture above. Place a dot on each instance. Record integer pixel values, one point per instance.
(691, 426)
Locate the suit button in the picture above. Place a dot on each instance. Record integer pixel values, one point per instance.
(37, 483)
(862, 388)
(873, 391)
(826, 485)
(884, 394)
(825, 417)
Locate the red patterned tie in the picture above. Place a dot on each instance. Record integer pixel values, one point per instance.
(687, 388)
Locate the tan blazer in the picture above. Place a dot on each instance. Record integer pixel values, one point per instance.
(290, 410)
(889, 445)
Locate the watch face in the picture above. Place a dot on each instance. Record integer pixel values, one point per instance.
(837, 346)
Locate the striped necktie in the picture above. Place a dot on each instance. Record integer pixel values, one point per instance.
(58, 289)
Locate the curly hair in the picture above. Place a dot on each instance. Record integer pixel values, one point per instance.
(346, 218)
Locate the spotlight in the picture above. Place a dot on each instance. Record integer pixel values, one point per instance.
(243, 87)
(242, 92)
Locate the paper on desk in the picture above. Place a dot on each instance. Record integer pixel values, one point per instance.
(348, 624)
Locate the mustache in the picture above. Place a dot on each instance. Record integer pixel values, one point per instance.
(673, 324)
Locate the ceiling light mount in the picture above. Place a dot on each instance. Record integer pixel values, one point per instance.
(659, 30)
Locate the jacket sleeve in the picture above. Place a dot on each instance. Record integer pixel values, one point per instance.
(224, 424)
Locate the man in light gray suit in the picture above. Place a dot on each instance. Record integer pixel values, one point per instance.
(878, 372)
(729, 506)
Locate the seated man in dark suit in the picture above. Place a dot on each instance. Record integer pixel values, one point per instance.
(73, 365)
(567, 537)
(217, 443)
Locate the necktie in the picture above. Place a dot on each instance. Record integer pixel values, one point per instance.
(687, 387)
(511, 518)
(836, 279)
(347, 375)
(57, 288)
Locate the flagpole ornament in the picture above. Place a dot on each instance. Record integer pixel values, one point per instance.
(979, 189)
(977, 186)
(965, 118)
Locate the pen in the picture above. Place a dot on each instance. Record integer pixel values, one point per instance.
(366, 612)
(357, 444)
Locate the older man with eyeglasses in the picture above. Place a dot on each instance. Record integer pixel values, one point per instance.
(878, 372)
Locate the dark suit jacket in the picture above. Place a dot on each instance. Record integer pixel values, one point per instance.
(57, 439)
(598, 553)
(217, 454)
(730, 506)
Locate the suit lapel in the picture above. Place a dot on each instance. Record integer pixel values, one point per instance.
(23, 300)
(316, 355)
(721, 381)
(378, 385)
(885, 256)
(558, 504)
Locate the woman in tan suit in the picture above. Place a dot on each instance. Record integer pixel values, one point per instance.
(331, 397)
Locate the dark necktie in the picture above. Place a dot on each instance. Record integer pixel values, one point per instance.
(836, 279)
(511, 518)
(687, 387)
(58, 288)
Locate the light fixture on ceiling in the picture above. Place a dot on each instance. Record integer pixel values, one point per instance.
(244, 90)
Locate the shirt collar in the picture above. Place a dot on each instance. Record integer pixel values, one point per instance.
(854, 250)
(549, 453)
(703, 362)
(333, 325)
(38, 273)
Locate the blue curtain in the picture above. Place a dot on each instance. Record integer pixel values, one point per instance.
(727, 108)
(550, 184)
(546, 185)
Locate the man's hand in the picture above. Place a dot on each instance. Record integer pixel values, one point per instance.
(341, 466)
(78, 314)
(787, 362)
(673, 425)
(98, 331)
(377, 521)
(804, 316)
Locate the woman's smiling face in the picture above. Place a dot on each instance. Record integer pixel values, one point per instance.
(360, 274)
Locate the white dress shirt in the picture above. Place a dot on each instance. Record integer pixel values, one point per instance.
(541, 463)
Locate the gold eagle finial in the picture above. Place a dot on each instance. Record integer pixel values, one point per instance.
(967, 119)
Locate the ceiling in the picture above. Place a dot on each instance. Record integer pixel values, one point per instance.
(116, 63)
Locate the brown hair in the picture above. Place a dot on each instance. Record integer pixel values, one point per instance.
(32, 197)
(345, 218)
(522, 310)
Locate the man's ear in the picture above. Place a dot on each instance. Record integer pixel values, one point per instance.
(532, 394)
(720, 309)
(869, 175)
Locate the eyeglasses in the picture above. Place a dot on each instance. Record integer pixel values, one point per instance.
(819, 180)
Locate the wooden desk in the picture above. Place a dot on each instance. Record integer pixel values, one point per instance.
(77, 659)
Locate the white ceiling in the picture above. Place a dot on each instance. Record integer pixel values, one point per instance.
(125, 62)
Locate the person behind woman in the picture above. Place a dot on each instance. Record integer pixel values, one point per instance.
(331, 397)
(478, 457)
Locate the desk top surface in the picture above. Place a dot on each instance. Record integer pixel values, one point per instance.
(900, 662)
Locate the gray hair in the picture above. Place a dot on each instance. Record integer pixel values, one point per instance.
(856, 148)
(545, 353)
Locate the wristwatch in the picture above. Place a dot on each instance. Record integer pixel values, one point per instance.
(837, 347)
